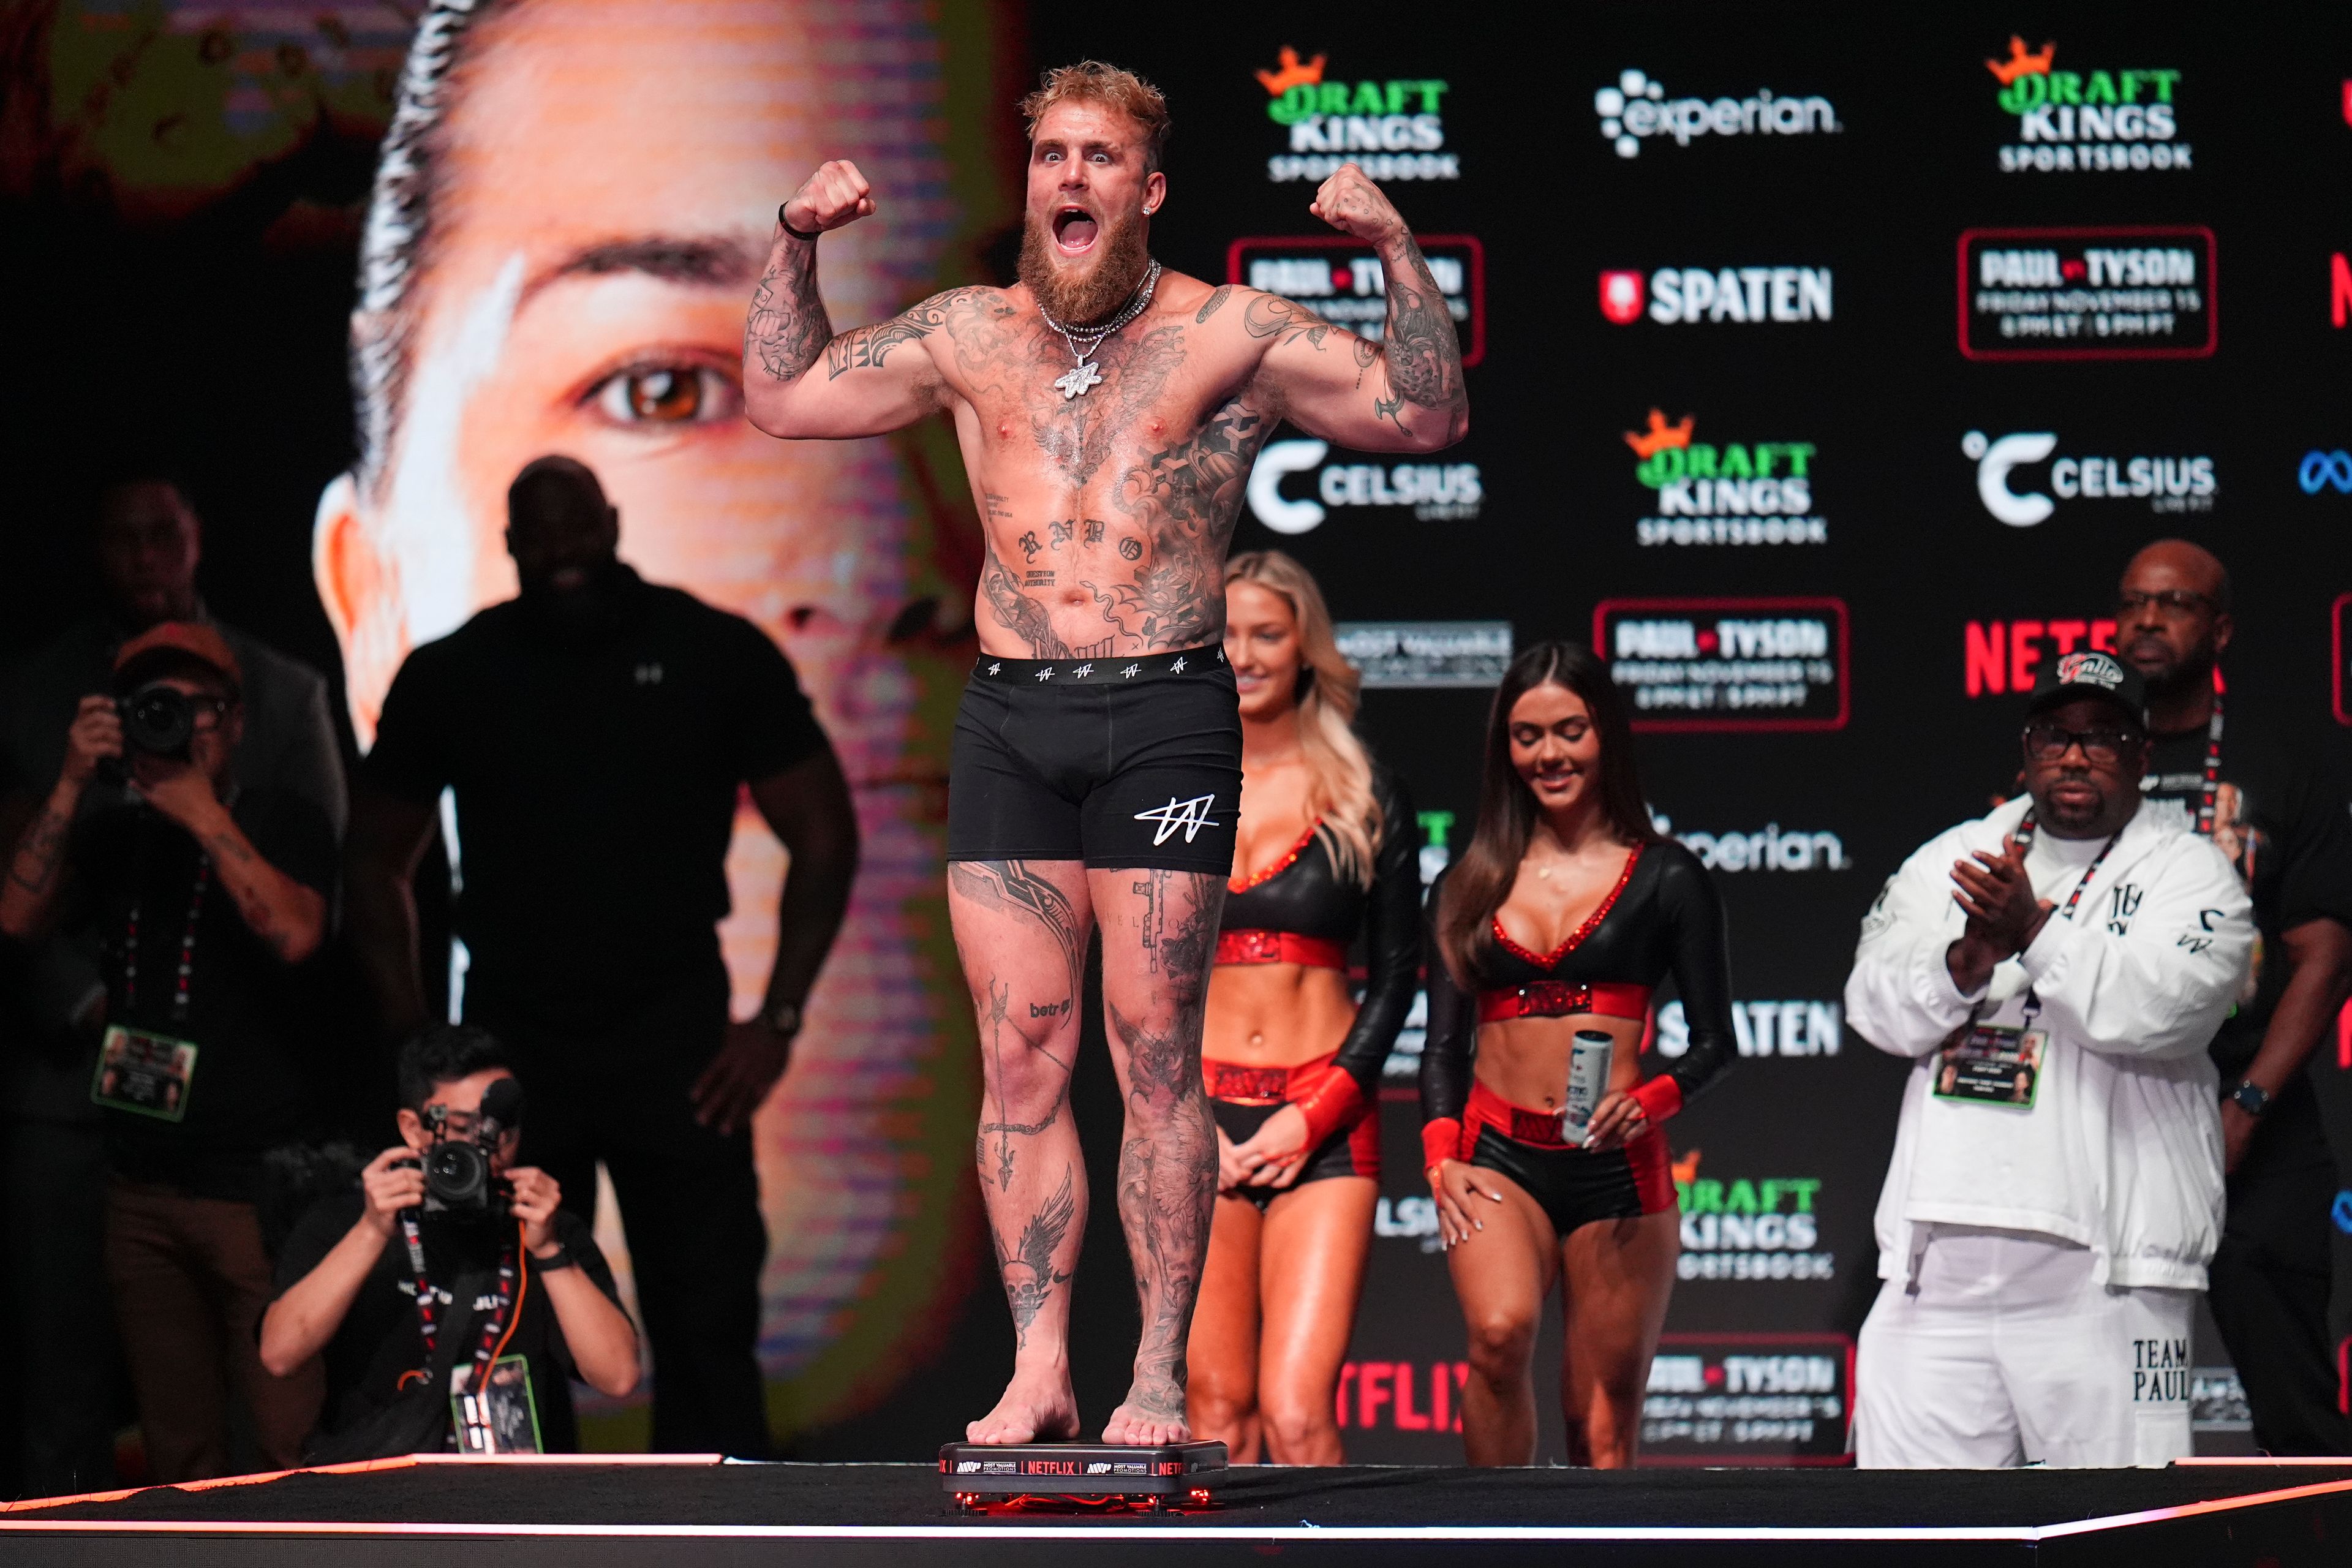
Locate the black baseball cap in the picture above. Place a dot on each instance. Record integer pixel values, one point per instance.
(2090, 672)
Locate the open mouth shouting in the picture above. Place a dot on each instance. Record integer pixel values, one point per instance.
(1074, 229)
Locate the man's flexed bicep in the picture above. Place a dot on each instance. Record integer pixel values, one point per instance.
(1403, 395)
(800, 380)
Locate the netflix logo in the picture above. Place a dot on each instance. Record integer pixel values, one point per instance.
(1401, 1395)
(1999, 657)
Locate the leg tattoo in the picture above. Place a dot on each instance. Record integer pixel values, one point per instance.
(1028, 1270)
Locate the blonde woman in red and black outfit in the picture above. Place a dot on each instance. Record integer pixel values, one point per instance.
(1327, 851)
(1563, 914)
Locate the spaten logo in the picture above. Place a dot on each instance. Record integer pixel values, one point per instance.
(1638, 108)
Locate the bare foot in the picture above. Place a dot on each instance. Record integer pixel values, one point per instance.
(1153, 1413)
(1037, 1407)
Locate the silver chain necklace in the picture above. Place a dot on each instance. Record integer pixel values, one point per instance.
(1074, 382)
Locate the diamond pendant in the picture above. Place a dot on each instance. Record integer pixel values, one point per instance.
(1074, 384)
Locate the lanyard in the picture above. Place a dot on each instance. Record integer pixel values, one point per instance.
(187, 942)
(2212, 785)
(493, 1334)
(2027, 827)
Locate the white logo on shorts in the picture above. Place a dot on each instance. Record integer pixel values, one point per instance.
(1191, 816)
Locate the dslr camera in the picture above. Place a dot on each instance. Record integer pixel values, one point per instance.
(457, 1168)
(160, 720)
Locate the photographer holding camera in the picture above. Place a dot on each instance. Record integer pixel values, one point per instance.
(453, 1296)
(205, 895)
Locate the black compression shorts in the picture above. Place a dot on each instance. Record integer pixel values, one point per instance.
(1114, 762)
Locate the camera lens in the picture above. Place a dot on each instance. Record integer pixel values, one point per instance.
(457, 1175)
(158, 719)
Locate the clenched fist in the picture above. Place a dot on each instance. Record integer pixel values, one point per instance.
(1350, 203)
(832, 197)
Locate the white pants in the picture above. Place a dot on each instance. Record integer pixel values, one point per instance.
(2001, 1350)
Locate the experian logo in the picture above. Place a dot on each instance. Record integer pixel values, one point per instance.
(1638, 108)
(1769, 850)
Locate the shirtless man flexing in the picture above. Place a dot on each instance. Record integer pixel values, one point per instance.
(1109, 414)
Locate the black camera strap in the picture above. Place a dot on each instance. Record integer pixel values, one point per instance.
(492, 1335)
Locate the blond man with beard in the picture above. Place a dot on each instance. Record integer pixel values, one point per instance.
(1109, 413)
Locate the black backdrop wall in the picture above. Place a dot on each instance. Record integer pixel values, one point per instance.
(1898, 146)
(1745, 396)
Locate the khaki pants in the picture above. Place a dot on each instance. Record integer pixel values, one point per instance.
(191, 1282)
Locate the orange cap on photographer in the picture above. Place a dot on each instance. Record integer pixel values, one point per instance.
(190, 640)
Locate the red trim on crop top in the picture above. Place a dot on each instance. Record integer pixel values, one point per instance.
(1575, 938)
(1281, 947)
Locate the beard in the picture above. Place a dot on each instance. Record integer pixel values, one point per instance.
(1094, 289)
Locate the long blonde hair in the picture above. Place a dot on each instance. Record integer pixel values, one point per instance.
(1339, 771)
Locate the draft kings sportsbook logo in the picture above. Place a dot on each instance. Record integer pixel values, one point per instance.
(2107, 120)
(1731, 492)
(1393, 129)
(1750, 1228)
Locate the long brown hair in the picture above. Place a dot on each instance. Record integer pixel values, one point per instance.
(1339, 771)
(1481, 879)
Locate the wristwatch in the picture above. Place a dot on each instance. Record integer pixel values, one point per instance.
(2250, 1097)
(784, 1018)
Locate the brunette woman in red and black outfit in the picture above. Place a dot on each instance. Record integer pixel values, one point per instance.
(1327, 851)
(1563, 914)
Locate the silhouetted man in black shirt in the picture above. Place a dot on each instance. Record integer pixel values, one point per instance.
(595, 731)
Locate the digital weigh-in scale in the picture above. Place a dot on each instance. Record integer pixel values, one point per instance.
(976, 1474)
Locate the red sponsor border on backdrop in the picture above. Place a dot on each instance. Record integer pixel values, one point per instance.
(2337, 612)
(1738, 726)
(1472, 353)
(2212, 292)
(1845, 1345)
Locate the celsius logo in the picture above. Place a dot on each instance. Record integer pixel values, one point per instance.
(1638, 107)
(1437, 492)
(1719, 294)
(1737, 493)
(2325, 470)
(2104, 119)
(1393, 130)
(2167, 484)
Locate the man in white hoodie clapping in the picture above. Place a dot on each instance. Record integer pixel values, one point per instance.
(2054, 969)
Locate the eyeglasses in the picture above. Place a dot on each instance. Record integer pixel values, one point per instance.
(2173, 604)
(2046, 742)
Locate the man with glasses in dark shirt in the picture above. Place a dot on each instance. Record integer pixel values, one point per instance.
(2275, 816)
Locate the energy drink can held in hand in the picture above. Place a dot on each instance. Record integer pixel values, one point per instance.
(1588, 1081)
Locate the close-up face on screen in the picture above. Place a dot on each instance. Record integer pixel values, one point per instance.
(569, 275)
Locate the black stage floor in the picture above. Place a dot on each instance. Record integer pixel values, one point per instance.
(587, 1514)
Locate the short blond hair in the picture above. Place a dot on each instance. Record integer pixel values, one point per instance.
(1097, 81)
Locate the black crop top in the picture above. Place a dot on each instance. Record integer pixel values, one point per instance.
(1308, 897)
(1668, 919)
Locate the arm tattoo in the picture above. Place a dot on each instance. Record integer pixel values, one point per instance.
(1028, 1270)
(1017, 612)
(787, 326)
(866, 347)
(1272, 316)
(1425, 357)
(41, 853)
